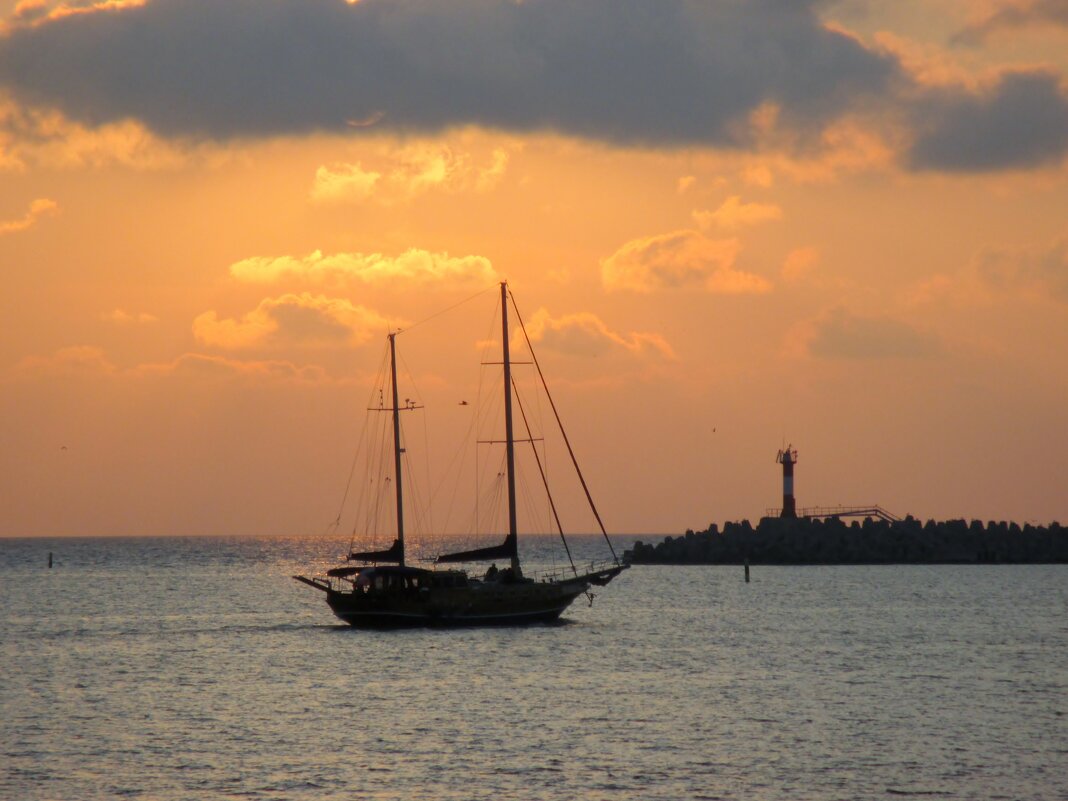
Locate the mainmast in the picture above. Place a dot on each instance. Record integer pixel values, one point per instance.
(397, 484)
(512, 540)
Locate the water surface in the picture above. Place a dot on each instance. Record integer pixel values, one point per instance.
(196, 668)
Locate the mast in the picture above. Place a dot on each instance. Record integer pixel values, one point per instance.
(398, 488)
(508, 436)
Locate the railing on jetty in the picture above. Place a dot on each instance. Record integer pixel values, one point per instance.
(825, 512)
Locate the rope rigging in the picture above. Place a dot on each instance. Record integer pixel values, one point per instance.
(375, 445)
(560, 425)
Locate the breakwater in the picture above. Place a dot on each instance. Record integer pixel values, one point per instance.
(783, 541)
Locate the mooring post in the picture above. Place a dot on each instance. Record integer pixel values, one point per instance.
(746, 571)
(49, 560)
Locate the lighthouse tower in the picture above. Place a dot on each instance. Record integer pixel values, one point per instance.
(787, 458)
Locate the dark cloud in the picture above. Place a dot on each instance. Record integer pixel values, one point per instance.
(669, 72)
(1035, 14)
(840, 334)
(1022, 122)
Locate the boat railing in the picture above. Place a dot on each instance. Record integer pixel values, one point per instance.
(557, 574)
(550, 575)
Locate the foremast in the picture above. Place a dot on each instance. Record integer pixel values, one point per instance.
(513, 540)
(395, 553)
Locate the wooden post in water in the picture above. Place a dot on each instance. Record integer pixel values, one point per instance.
(746, 571)
(49, 560)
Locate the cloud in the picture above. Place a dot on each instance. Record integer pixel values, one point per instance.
(1013, 16)
(1038, 271)
(840, 334)
(197, 365)
(90, 361)
(414, 266)
(123, 317)
(585, 334)
(46, 137)
(38, 209)
(343, 182)
(1020, 122)
(32, 12)
(927, 63)
(408, 172)
(733, 213)
(303, 319)
(78, 360)
(679, 260)
(669, 72)
(800, 263)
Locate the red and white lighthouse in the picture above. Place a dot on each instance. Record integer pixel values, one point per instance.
(788, 458)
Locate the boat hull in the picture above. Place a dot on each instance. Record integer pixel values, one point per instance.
(486, 604)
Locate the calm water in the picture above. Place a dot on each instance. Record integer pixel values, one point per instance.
(197, 669)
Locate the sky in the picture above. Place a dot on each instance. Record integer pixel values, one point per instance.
(730, 225)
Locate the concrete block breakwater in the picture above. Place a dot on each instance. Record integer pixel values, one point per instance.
(783, 541)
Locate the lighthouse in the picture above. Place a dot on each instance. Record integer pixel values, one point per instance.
(787, 458)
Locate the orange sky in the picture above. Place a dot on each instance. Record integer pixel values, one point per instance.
(836, 224)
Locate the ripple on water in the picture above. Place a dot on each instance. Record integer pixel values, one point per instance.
(168, 672)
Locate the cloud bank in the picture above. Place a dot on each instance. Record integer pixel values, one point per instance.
(673, 72)
(653, 73)
(1020, 122)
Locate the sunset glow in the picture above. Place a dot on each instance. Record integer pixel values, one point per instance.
(729, 226)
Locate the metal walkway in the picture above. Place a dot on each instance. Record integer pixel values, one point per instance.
(825, 512)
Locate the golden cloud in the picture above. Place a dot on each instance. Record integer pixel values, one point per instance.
(39, 208)
(46, 137)
(343, 182)
(409, 172)
(31, 13)
(680, 260)
(800, 263)
(585, 334)
(411, 267)
(123, 317)
(733, 213)
(303, 319)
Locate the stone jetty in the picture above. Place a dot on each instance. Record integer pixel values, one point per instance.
(783, 541)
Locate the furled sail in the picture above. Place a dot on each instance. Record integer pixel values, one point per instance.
(395, 553)
(506, 550)
(341, 572)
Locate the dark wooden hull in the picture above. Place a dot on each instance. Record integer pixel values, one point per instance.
(481, 604)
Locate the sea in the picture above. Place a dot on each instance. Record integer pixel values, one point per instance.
(196, 668)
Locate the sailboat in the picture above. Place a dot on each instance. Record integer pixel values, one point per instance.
(386, 591)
